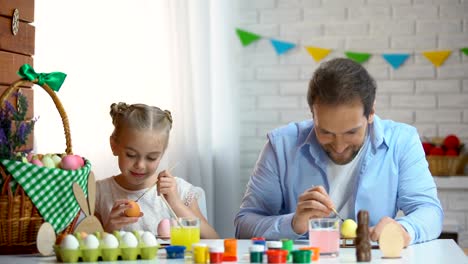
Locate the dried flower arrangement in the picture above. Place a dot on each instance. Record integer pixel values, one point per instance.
(14, 129)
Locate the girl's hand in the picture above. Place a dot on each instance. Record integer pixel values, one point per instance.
(167, 186)
(117, 217)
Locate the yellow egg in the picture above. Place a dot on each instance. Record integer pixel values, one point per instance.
(348, 228)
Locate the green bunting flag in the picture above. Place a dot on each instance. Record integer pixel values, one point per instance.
(465, 50)
(247, 37)
(358, 57)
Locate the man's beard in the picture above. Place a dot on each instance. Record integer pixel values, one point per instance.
(343, 162)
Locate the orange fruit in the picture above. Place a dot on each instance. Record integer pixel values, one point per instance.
(134, 211)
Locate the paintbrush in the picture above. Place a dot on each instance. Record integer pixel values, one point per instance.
(170, 169)
(173, 214)
(337, 214)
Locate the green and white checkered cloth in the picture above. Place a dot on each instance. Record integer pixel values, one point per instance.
(50, 190)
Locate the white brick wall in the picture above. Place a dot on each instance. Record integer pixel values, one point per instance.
(434, 100)
(453, 196)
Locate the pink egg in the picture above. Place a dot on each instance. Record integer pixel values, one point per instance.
(30, 156)
(164, 228)
(71, 162)
(80, 159)
(37, 162)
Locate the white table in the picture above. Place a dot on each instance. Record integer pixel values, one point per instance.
(437, 251)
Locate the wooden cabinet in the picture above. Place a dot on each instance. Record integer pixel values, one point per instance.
(17, 38)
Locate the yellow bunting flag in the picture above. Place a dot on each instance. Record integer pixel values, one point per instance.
(437, 57)
(318, 53)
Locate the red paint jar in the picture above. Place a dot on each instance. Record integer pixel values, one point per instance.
(277, 256)
(216, 254)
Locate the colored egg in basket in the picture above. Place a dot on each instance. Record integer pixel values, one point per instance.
(107, 247)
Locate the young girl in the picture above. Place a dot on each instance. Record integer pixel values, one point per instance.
(139, 140)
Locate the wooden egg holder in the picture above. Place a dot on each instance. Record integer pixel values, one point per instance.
(351, 243)
(347, 242)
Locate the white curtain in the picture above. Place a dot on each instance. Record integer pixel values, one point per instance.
(175, 54)
(205, 139)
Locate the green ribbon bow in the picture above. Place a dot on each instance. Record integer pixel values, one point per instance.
(53, 79)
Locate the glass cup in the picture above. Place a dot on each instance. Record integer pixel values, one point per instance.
(187, 234)
(324, 233)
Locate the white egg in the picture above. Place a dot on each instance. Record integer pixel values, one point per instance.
(130, 240)
(110, 241)
(122, 233)
(70, 242)
(91, 242)
(149, 239)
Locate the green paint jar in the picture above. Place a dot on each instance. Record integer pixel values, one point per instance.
(256, 253)
(301, 256)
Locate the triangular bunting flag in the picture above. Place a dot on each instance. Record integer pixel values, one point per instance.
(318, 53)
(247, 37)
(358, 57)
(282, 46)
(396, 60)
(437, 57)
(465, 50)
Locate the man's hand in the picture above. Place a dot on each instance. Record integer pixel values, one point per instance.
(376, 230)
(313, 203)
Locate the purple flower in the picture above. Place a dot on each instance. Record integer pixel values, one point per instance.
(9, 108)
(21, 131)
(12, 137)
(3, 139)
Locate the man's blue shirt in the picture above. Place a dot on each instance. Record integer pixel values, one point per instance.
(393, 176)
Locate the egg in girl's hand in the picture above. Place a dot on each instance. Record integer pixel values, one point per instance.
(110, 241)
(91, 242)
(129, 240)
(149, 239)
(164, 228)
(70, 242)
(134, 211)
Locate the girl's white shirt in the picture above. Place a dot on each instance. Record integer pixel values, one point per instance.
(154, 209)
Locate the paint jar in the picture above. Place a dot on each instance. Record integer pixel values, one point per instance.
(274, 245)
(230, 249)
(200, 253)
(216, 254)
(288, 245)
(277, 255)
(175, 252)
(301, 256)
(315, 252)
(256, 253)
(259, 241)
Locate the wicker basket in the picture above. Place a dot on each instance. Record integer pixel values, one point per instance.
(447, 165)
(19, 218)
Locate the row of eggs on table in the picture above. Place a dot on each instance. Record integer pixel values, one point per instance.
(107, 240)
